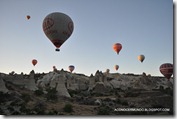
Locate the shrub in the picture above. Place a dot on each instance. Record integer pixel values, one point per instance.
(10, 109)
(40, 108)
(68, 108)
(104, 110)
(39, 111)
(131, 94)
(15, 113)
(161, 88)
(4, 97)
(26, 97)
(39, 92)
(53, 112)
(2, 111)
(168, 91)
(118, 101)
(51, 94)
(107, 99)
(73, 92)
(23, 109)
(125, 103)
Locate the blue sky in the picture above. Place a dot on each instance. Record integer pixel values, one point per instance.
(141, 26)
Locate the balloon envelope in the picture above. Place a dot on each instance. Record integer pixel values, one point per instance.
(117, 47)
(34, 62)
(167, 70)
(58, 27)
(71, 68)
(107, 70)
(28, 17)
(54, 68)
(141, 58)
(116, 67)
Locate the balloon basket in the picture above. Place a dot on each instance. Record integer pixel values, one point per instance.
(57, 50)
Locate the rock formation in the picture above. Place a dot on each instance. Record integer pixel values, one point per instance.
(30, 82)
(100, 82)
(2, 86)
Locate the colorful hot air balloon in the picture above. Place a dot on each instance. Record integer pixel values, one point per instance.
(167, 70)
(116, 67)
(34, 62)
(28, 17)
(141, 58)
(117, 47)
(71, 68)
(58, 27)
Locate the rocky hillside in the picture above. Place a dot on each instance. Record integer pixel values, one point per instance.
(65, 93)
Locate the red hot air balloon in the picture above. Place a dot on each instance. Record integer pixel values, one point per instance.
(117, 47)
(167, 70)
(34, 62)
(71, 68)
(28, 17)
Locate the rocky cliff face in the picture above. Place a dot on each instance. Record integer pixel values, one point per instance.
(2, 85)
(64, 81)
(40, 93)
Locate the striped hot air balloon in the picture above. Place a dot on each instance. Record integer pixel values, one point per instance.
(167, 70)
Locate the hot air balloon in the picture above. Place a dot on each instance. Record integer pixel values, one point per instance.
(71, 68)
(28, 17)
(167, 70)
(58, 27)
(54, 68)
(117, 47)
(34, 62)
(141, 58)
(116, 67)
(107, 71)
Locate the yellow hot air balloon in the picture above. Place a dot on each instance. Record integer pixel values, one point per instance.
(141, 58)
